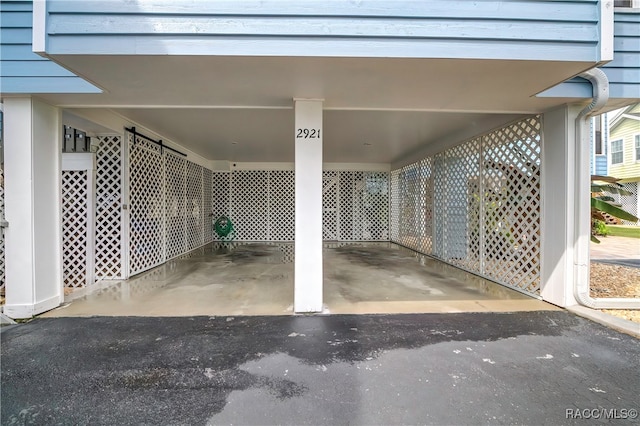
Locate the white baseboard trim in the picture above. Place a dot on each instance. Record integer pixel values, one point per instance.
(23, 311)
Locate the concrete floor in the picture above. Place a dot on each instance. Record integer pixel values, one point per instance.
(257, 279)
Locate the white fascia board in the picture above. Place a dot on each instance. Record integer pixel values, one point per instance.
(39, 31)
(630, 116)
(606, 31)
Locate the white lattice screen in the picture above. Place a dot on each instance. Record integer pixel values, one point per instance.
(330, 210)
(194, 226)
(355, 206)
(249, 204)
(207, 209)
(462, 214)
(511, 201)
(171, 202)
(75, 228)
(282, 204)
(261, 204)
(220, 194)
(108, 229)
(176, 205)
(476, 205)
(147, 211)
(630, 203)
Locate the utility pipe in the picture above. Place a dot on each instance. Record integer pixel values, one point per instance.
(582, 224)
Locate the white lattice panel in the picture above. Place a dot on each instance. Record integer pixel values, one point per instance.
(220, 198)
(194, 206)
(440, 196)
(147, 211)
(630, 203)
(75, 226)
(462, 210)
(511, 181)
(355, 206)
(108, 229)
(175, 204)
(2, 267)
(330, 211)
(249, 204)
(364, 206)
(221, 192)
(410, 206)
(394, 221)
(425, 196)
(350, 208)
(207, 193)
(476, 205)
(281, 211)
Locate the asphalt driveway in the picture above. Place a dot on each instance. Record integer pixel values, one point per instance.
(548, 367)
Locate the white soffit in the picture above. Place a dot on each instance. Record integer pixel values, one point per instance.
(376, 109)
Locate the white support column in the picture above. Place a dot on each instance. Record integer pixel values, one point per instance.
(559, 204)
(308, 239)
(33, 207)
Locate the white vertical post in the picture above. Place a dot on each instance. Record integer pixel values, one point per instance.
(308, 277)
(91, 225)
(559, 205)
(33, 207)
(126, 205)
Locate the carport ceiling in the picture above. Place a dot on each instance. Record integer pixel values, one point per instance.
(376, 109)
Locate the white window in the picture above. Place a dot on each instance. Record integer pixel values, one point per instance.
(637, 139)
(616, 152)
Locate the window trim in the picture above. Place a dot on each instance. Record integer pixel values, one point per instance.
(615, 152)
(636, 143)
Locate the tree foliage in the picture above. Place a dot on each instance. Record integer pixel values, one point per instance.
(602, 201)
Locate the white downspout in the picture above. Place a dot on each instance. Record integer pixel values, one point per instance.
(582, 225)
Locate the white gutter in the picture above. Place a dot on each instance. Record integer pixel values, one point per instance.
(582, 224)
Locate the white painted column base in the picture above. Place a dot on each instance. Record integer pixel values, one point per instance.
(308, 274)
(33, 238)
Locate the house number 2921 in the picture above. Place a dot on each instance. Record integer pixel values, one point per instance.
(308, 134)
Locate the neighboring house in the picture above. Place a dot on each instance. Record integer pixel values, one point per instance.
(599, 127)
(624, 156)
(457, 129)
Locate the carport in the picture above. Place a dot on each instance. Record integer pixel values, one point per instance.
(470, 197)
(348, 166)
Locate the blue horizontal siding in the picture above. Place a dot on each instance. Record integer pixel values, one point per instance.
(21, 70)
(509, 10)
(16, 5)
(46, 85)
(601, 165)
(16, 19)
(14, 35)
(523, 29)
(623, 71)
(37, 68)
